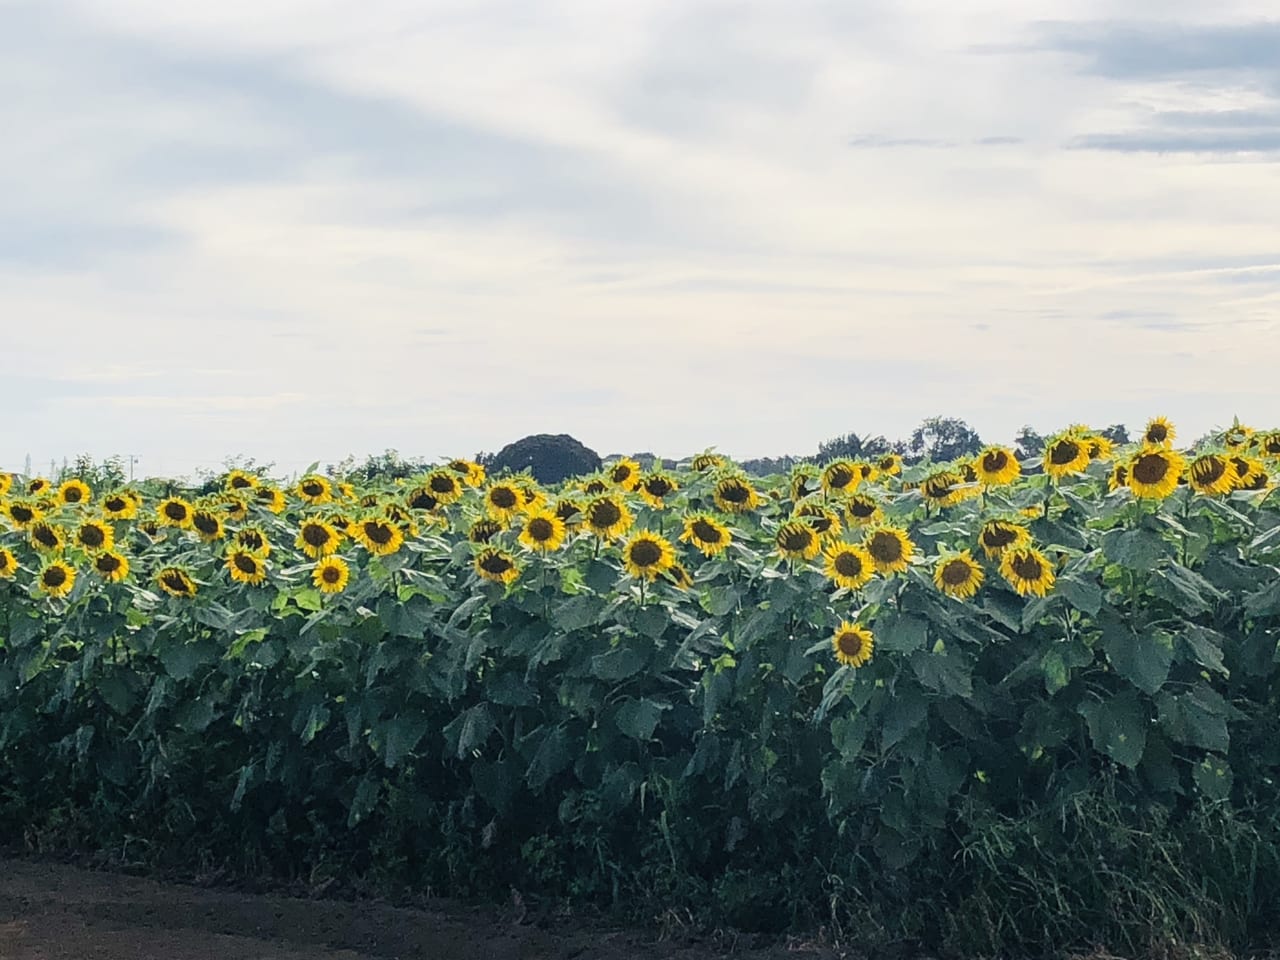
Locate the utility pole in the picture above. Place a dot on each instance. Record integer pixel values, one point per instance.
(133, 458)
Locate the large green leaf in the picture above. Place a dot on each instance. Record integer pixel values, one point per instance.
(639, 718)
(1118, 726)
(1143, 659)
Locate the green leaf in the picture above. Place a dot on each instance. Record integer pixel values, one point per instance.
(400, 735)
(194, 716)
(1213, 777)
(551, 757)
(721, 600)
(577, 612)
(469, 730)
(901, 633)
(496, 781)
(363, 801)
(945, 671)
(639, 718)
(1189, 592)
(906, 710)
(619, 663)
(1136, 549)
(1084, 595)
(181, 660)
(1197, 718)
(1203, 646)
(1142, 659)
(1118, 726)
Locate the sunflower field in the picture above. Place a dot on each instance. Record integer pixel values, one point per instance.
(986, 706)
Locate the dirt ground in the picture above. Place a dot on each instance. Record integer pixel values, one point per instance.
(56, 912)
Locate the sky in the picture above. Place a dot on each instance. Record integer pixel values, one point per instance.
(296, 230)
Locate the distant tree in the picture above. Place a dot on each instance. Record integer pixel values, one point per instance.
(551, 458)
(1117, 433)
(943, 438)
(852, 447)
(767, 466)
(1030, 444)
(385, 466)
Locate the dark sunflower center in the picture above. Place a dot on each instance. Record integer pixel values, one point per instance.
(504, 498)
(315, 535)
(1257, 481)
(205, 523)
(175, 511)
(1157, 433)
(1150, 468)
(620, 474)
(955, 573)
(862, 509)
(795, 537)
(379, 533)
(423, 500)
(21, 514)
(107, 563)
(885, 547)
(819, 523)
(1027, 567)
(645, 553)
(1064, 452)
(848, 564)
(1272, 446)
(45, 536)
(1209, 469)
(995, 461)
(566, 510)
(840, 476)
(734, 493)
(176, 582)
(705, 531)
(240, 483)
(657, 486)
(331, 574)
(73, 495)
(92, 536)
(442, 484)
(53, 577)
(998, 536)
(495, 563)
(484, 530)
(245, 563)
(850, 643)
(594, 487)
(251, 539)
(312, 489)
(604, 514)
(116, 504)
(541, 529)
(886, 464)
(1122, 474)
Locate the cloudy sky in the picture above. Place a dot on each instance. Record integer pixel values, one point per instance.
(300, 229)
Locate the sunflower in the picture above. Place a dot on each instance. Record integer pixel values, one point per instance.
(253, 540)
(151, 530)
(943, 488)
(176, 582)
(503, 501)
(997, 536)
(314, 490)
(331, 575)
(8, 564)
(862, 510)
(1100, 447)
(471, 472)
(824, 521)
(1154, 472)
(890, 465)
(607, 517)
(531, 496)
(593, 487)
(497, 565)
(316, 538)
(706, 461)
(543, 531)
(246, 567)
(996, 466)
(22, 513)
(94, 535)
(958, 576)
(853, 644)
(270, 497)
(1065, 454)
(380, 537)
(569, 511)
(1159, 433)
(1027, 570)
(370, 500)
(57, 579)
(1237, 436)
(1118, 477)
(174, 512)
(46, 537)
(444, 486)
(841, 477)
(805, 480)
(119, 506)
(346, 491)
(111, 566)
(420, 498)
(849, 565)
(1211, 473)
(6, 484)
(678, 577)
(735, 495)
(890, 548)
(646, 555)
(74, 492)
(240, 480)
(706, 533)
(1270, 444)
(402, 517)
(482, 531)
(38, 486)
(655, 487)
(207, 525)
(1251, 474)
(796, 540)
(235, 508)
(624, 473)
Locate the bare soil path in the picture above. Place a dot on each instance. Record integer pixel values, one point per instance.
(56, 912)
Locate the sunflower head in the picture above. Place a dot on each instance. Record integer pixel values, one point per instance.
(497, 565)
(8, 563)
(570, 511)
(22, 513)
(890, 465)
(1153, 472)
(997, 536)
(120, 506)
(1065, 454)
(1027, 570)
(943, 488)
(1251, 474)
(379, 535)
(706, 461)
(890, 548)
(317, 538)
(852, 644)
(735, 495)
(74, 492)
(646, 555)
(678, 577)
(482, 531)
(6, 484)
(607, 517)
(174, 512)
(254, 540)
(706, 533)
(1118, 477)
(624, 473)
(1159, 432)
(849, 565)
(805, 480)
(841, 477)
(593, 486)
(656, 487)
(503, 501)
(94, 535)
(38, 486)
(331, 575)
(1211, 473)
(207, 526)
(958, 575)
(56, 579)
(176, 582)
(272, 498)
(111, 566)
(236, 508)
(246, 567)
(796, 540)
(472, 473)
(240, 480)
(862, 510)
(46, 537)
(445, 486)
(824, 521)
(1237, 436)
(543, 531)
(314, 489)
(996, 466)
(420, 498)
